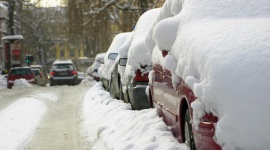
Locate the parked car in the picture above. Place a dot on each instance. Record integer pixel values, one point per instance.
(99, 60)
(118, 70)
(41, 74)
(39, 77)
(181, 83)
(63, 72)
(135, 78)
(18, 73)
(89, 71)
(110, 57)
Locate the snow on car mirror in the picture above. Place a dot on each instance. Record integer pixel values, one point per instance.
(101, 60)
(122, 61)
(112, 56)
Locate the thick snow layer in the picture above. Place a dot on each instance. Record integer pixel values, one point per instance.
(97, 64)
(123, 52)
(118, 127)
(222, 53)
(137, 53)
(21, 83)
(18, 122)
(117, 42)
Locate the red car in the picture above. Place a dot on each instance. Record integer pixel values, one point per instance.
(18, 73)
(174, 105)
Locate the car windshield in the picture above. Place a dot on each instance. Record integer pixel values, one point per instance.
(36, 71)
(20, 72)
(63, 66)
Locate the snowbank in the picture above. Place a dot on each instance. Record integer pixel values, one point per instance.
(18, 122)
(118, 127)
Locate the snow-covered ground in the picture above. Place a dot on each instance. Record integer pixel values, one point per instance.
(107, 123)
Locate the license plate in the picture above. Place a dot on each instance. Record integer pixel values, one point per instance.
(62, 73)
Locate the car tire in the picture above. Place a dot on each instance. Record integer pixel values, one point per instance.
(8, 86)
(189, 138)
(112, 91)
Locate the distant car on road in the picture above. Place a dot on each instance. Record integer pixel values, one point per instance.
(41, 75)
(18, 73)
(63, 72)
(38, 77)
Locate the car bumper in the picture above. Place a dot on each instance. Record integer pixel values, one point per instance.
(204, 137)
(138, 97)
(11, 82)
(64, 79)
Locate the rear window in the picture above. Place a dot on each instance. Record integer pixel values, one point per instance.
(36, 71)
(21, 72)
(63, 66)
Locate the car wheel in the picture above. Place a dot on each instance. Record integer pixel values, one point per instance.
(9, 86)
(188, 132)
(112, 92)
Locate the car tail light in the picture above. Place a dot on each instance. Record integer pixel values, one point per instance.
(52, 73)
(210, 118)
(141, 77)
(207, 125)
(74, 72)
(41, 76)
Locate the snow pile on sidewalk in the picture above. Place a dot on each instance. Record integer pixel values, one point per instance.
(116, 126)
(18, 122)
(3, 82)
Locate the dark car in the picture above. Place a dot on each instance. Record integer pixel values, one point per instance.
(63, 72)
(18, 73)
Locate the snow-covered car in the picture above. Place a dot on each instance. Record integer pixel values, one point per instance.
(89, 71)
(135, 79)
(18, 73)
(209, 79)
(110, 57)
(118, 69)
(63, 72)
(99, 60)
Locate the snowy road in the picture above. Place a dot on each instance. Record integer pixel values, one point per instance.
(58, 128)
(77, 118)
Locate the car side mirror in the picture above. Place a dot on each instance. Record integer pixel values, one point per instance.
(122, 62)
(164, 53)
(112, 56)
(101, 60)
